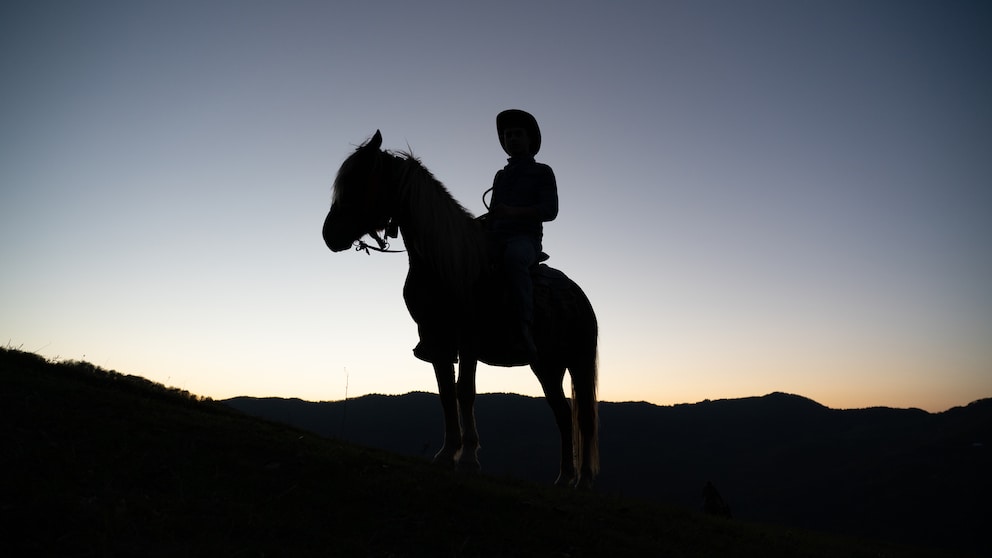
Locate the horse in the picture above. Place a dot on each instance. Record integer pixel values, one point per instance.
(458, 303)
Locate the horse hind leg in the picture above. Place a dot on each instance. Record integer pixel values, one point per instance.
(551, 379)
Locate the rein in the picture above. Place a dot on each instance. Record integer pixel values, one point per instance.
(390, 232)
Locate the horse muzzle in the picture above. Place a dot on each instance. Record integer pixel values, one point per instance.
(336, 236)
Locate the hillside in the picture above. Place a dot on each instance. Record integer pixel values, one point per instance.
(101, 464)
(902, 475)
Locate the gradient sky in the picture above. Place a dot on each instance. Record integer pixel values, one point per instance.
(756, 196)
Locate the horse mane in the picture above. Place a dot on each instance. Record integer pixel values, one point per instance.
(442, 232)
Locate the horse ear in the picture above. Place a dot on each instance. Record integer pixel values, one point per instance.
(376, 141)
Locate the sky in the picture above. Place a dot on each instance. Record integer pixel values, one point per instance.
(756, 196)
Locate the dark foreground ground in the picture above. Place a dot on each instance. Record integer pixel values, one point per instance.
(96, 463)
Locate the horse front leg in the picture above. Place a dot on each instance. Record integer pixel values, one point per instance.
(468, 458)
(452, 442)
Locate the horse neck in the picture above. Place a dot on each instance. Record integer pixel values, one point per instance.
(437, 230)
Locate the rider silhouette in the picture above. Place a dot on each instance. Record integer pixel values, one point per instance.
(525, 195)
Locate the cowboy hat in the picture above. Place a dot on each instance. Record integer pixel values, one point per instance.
(514, 118)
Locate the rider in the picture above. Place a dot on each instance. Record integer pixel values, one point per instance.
(525, 195)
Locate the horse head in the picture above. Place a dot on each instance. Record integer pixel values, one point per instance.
(361, 201)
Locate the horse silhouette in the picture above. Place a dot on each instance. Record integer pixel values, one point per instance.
(456, 298)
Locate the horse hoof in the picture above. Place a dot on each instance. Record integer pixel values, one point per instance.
(583, 483)
(468, 467)
(445, 458)
(565, 480)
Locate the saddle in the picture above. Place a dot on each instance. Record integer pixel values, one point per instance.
(495, 327)
(553, 293)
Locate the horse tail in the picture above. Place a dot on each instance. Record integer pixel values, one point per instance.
(585, 417)
(585, 407)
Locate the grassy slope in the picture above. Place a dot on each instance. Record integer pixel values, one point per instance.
(96, 463)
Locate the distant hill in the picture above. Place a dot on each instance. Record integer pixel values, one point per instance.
(890, 474)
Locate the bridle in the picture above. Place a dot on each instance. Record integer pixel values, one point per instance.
(391, 231)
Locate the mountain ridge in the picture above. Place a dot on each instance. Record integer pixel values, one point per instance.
(780, 458)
